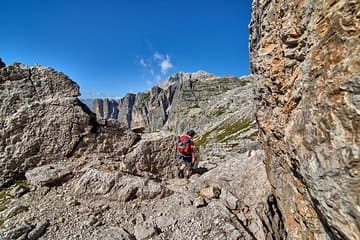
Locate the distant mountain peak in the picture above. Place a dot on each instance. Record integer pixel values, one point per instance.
(183, 76)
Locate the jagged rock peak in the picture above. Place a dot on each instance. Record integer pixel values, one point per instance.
(183, 76)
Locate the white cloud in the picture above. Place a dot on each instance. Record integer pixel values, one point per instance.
(143, 63)
(158, 56)
(165, 64)
(157, 65)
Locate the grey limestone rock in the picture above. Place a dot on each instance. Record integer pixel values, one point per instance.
(112, 233)
(38, 231)
(47, 175)
(144, 232)
(42, 121)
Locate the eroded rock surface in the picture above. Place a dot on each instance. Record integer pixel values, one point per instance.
(306, 56)
(43, 122)
(41, 119)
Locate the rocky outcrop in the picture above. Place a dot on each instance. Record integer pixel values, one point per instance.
(42, 122)
(179, 103)
(41, 119)
(306, 56)
(154, 155)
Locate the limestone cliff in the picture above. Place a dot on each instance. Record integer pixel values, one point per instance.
(306, 56)
(183, 101)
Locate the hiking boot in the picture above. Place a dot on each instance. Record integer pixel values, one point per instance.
(180, 174)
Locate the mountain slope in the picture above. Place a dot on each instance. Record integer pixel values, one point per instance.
(185, 102)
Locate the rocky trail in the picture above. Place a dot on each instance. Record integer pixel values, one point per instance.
(96, 202)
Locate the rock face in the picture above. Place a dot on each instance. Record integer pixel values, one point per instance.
(180, 103)
(306, 56)
(106, 108)
(42, 121)
(33, 99)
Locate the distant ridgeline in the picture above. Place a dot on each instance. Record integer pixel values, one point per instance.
(184, 100)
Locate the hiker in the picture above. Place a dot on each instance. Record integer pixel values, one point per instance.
(186, 154)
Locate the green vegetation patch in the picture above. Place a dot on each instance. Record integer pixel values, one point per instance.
(232, 128)
(21, 183)
(3, 199)
(203, 140)
(221, 132)
(194, 106)
(220, 111)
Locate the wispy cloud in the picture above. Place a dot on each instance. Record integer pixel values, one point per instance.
(157, 56)
(163, 61)
(166, 64)
(142, 62)
(157, 65)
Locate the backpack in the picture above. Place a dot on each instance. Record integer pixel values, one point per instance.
(184, 145)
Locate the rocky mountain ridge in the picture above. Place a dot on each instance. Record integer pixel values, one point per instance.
(183, 104)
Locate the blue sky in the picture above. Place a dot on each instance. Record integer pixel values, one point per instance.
(112, 47)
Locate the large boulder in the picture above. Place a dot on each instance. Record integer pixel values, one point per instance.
(154, 155)
(306, 56)
(41, 118)
(117, 187)
(42, 121)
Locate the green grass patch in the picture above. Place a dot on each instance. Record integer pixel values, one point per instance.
(220, 111)
(3, 198)
(194, 106)
(230, 129)
(204, 139)
(221, 132)
(21, 183)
